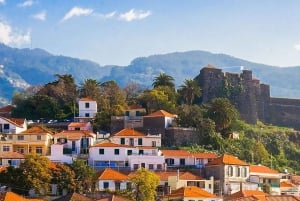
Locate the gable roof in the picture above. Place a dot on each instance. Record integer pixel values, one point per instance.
(172, 153)
(135, 107)
(86, 99)
(6, 109)
(190, 176)
(129, 132)
(74, 135)
(164, 175)
(73, 197)
(282, 198)
(191, 191)
(110, 174)
(161, 113)
(260, 195)
(12, 155)
(205, 155)
(37, 130)
(15, 121)
(226, 159)
(78, 124)
(286, 184)
(10, 196)
(262, 169)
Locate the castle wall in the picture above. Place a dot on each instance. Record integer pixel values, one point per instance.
(177, 136)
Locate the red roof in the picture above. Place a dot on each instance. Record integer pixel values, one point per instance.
(74, 135)
(15, 121)
(260, 195)
(10, 196)
(37, 130)
(6, 109)
(161, 113)
(86, 99)
(191, 191)
(10, 155)
(109, 144)
(129, 132)
(174, 153)
(261, 169)
(226, 159)
(110, 174)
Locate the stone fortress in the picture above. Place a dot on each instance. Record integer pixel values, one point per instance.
(251, 98)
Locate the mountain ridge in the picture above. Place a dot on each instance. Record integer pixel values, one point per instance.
(20, 68)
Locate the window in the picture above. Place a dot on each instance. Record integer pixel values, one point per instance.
(230, 171)
(105, 185)
(159, 166)
(182, 161)
(135, 166)
(77, 128)
(140, 141)
(153, 143)
(6, 126)
(141, 152)
(20, 150)
(117, 186)
(39, 137)
(169, 161)
(20, 137)
(131, 142)
(87, 115)
(10, 137)
(122, 140)
(39, 150)
(151, 166)
(129, 152)
(137, 113)
(87, 105)
(5, 148)
(117, 151)
(101, 151)
(238, 172)
(127, 113)
(244, 172)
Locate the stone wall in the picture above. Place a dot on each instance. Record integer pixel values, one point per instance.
(177, 136)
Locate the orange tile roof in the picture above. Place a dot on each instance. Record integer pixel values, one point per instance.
(134, 107)
(286, 184)
(260, 195)
(226, 159)
(205, 155)
(78, 124)
(282, 198)
(129, 132)
(191, 191)
(15, 121)
(74, 135)
(165, 175)
(86, 99)
(110, 174)
(190, 176)
(161, 113)
(74, 197)
(113, 198)
(3, 169)
(174, 153)
(261, 169)
(10, 196)
(110, 144)
(37, 130)
(9, 155)
(6, 109)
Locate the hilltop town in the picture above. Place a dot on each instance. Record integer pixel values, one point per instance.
(153, 139)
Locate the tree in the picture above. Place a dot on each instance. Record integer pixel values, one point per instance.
(64, 177)
(90, 88)
(223, 113)
(84, 176)
(189, 90)
(145, 182)
(13, 178)
(132, 90)
(36, 173)
(163, 80)
(260, 154)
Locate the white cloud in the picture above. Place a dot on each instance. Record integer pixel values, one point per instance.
(40, 16)
(76, 12)
(27, 3)
(134, 15)
(2, 1)
(105, 16)
(297, 47)
(9, 37)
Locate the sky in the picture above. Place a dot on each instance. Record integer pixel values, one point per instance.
(114, 32)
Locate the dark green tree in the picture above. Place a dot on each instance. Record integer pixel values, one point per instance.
(13, 178)
(90, 88)
(163, 80)
(189, 90)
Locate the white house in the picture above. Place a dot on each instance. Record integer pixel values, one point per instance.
(11, 159)
(178, 158)
(58, 156)
(132, 137)
(112, 180)
(12, 125)
(80, 126)
(160, 119)
(108, 154)
(134, 116)
(87, 108)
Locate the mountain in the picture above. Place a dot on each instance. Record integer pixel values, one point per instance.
(20, 68)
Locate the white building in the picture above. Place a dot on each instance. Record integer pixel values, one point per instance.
(87, 109)
(111, 180)
(12, 125)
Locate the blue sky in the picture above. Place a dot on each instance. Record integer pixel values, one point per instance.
(117, 31)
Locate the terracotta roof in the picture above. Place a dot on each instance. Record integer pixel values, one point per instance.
(37, 130)
(134, 107)
(161, 113)
(282, 198)
(261, 169)
(260, 195)
(110, 144)
(73, 197)
(129, 132)
(286, 184)
(73, 135)
(78, 124)
(190, 176)
(86, 99)
(110, 174)
(174, 153)
(250, 198)
(205, 155)
(113, 198)
(3, 169)
(165, 175)
(191, 191)
(9, 155)
(6, 109)
(226, 159)
(10, 196)
(15, 121)
(295, 179)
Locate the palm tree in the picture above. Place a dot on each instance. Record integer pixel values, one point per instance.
(90, 88)
(189, 90)
(163, 80)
